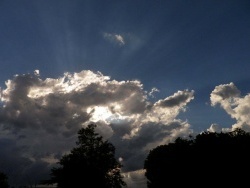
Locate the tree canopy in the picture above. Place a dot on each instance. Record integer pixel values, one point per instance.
(92, 162)
(3, 180)
(209, 159)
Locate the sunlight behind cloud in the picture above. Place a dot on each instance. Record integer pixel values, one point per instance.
(99, 113)
(40, 111)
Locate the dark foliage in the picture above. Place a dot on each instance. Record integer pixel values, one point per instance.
(3, 180)
(209, 159)
(91, 164)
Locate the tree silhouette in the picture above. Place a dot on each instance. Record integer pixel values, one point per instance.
(212, 159)
(92, 163)
(3, 180)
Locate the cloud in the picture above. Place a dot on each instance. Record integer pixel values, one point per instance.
(20, 169)
(115, 38)
(153, 90)
(41, 117)
(238, 107)
(181, 98)
(214, 128)
(225, 92)
(135, 179)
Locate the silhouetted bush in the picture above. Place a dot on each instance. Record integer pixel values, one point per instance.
(209, 159)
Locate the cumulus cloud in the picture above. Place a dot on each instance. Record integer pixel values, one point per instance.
(41, 117)
(238, 107)
(114, 38)
(181, 98)
(214, 128)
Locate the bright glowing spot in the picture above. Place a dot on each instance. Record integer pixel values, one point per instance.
(120, 159)
(120, 39)
(36, 72)
(39, 92)
(75, 115)
(18, 113)
(99, 113)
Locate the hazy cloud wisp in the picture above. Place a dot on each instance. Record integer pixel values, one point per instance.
(115, 38)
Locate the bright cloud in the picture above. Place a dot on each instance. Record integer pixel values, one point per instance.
(214, 128)
(115, 38)
(41, 117)
(238, 107)
(135, 179)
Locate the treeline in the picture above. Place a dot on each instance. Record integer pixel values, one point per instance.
(3, 180)
(209, 159)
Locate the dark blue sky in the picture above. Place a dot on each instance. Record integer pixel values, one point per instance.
(170, 45)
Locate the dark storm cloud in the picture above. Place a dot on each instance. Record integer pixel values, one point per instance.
(19, 168)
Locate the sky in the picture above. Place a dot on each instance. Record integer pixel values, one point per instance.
(146, 72)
